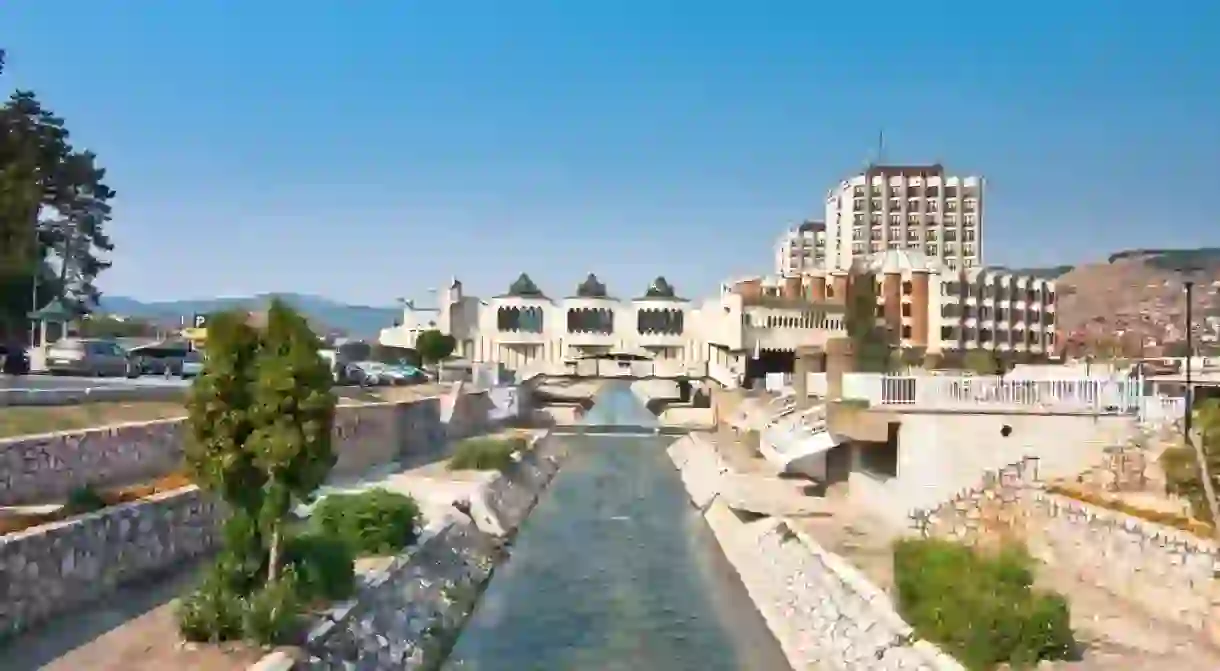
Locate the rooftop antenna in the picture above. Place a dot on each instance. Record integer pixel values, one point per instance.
(881, 146)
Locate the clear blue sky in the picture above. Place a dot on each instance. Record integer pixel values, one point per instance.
(368, 150)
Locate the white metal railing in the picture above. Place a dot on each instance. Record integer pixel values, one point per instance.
(950, 392)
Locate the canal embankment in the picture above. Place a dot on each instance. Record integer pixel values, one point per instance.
(823, 611)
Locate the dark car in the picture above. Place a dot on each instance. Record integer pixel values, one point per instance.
(14, 360)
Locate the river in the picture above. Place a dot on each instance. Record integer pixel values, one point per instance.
(615, 570)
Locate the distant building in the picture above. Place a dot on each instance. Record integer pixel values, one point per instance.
(917, 208)
(931, 307)
(801, 249)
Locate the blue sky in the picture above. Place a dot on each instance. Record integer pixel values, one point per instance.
(369, 150)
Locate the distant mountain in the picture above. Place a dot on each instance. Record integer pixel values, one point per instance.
(355, 320)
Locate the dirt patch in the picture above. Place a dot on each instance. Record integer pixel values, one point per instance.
(151, 643)
(13, 521)
(26, 420)
(1120, 504)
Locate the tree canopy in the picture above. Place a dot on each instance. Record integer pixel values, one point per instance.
(434, 346)
(54, 207)
(872, 342)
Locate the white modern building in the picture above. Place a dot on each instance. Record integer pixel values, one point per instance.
(801, 249)
(916, 208)
(654, 334)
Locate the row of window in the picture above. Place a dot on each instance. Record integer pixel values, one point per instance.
(931, 206)
(931, 249)
(809, 319)
(986, 335)
(912, 234)
(1010, 292)
(914, 191)
(916, 219)
(1003, 314)
(517, 319)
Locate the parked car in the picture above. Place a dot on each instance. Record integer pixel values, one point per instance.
(367, 373)
(14, 360)
(159, 358)
(192, 364)
(94, 358)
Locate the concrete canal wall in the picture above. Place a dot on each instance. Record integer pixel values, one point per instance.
(824, 613)
(406, 616)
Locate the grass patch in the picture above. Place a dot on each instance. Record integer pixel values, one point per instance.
(857, 403)
(1185, 523)
(27, 420)
(375, 522)
(486, 454)
(980, 608)
(88, 499)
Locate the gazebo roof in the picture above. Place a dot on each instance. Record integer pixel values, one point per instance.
(54, 311)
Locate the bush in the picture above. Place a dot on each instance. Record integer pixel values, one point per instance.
(486, 454)
(212, 613)
(272, 613)
(374, 522)
(83, 500)
(981, 609)
(323, 566)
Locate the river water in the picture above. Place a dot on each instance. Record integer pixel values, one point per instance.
(615, 570)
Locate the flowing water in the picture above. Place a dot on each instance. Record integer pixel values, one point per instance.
(615, 570)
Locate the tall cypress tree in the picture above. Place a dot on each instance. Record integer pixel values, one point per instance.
(871, 341)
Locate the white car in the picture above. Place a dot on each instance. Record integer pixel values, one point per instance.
(192, 364)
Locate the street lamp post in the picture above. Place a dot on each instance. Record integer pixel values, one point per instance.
(1190, 353)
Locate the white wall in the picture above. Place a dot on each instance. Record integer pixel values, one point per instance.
(940, 454)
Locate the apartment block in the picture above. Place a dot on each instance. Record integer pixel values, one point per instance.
(801, 249)
(931, 307)
(918, 208)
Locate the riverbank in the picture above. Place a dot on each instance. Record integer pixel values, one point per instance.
(824, 613)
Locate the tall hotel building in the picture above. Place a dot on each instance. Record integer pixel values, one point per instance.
(889, 208)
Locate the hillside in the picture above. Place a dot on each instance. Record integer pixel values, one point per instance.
(354, 320)
(1138, 293)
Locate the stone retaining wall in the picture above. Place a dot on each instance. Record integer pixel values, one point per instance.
(1166, 572)
(46, 468)
(824, 613)
(404, 616)
(50, 569)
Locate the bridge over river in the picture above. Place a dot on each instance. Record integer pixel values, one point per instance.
(615, 570)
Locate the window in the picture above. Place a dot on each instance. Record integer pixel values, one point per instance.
(906, 330)
(946, 333)
(907, 288)
(906, 309)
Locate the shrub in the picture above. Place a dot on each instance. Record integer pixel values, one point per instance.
(212, 613)
(323, 566)
(272, 613)
(83, 500)
(980, 608)
(374, 522)
(486, 454)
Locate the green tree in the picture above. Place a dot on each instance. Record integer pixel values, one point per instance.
(53, 203)
(872, 342)
(980, 362)
(292, 417)
(434, 346)
(219, 425)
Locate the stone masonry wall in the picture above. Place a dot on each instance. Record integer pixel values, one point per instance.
(49, 570)
(1167, 572)
(1164, 571)
(46, 468)
(824, 613)
(401, 618)
(990, 512)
